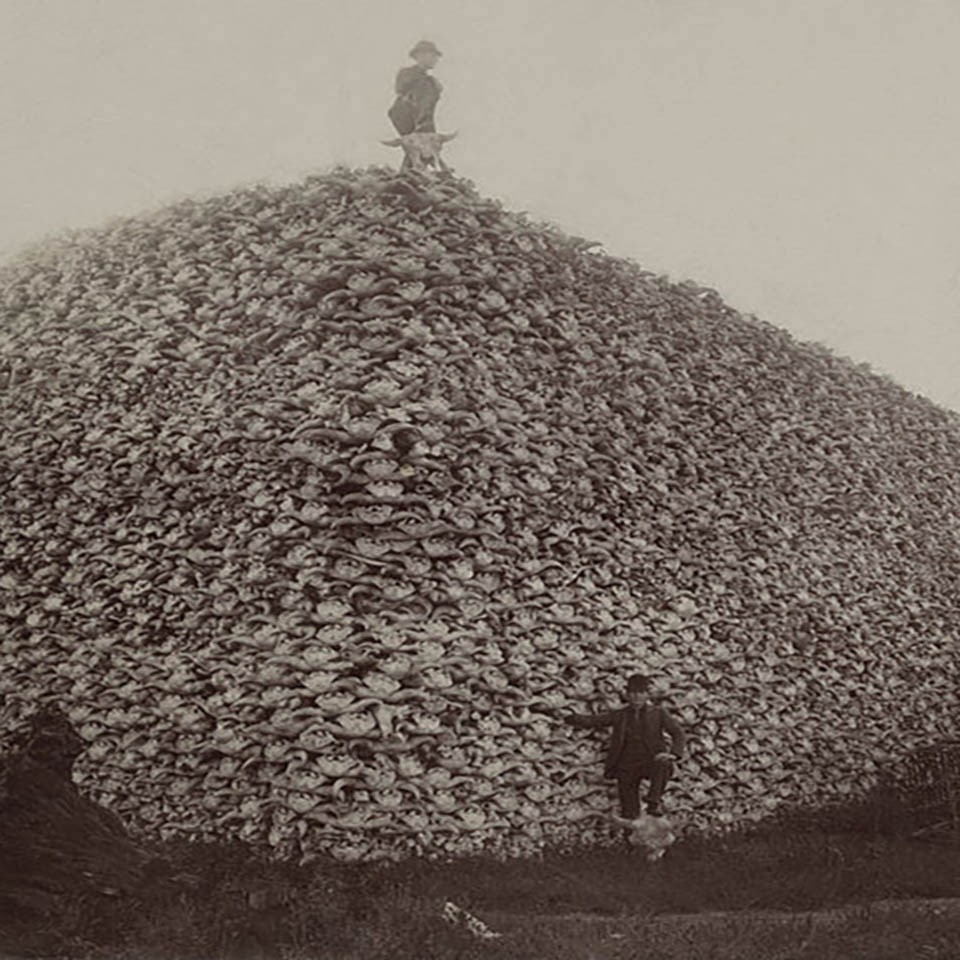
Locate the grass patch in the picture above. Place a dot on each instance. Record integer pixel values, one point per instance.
(854, 936)
(226, 902)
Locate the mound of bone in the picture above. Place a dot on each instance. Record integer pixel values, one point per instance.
(322, 500)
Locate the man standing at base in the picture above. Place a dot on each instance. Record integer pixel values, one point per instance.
(637, 748)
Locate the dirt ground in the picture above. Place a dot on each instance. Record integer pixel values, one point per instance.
(884, 930)
(778, 895)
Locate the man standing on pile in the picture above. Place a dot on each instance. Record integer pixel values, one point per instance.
(417, 92)
(637, 748)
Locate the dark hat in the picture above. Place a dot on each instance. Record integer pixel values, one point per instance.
(638, 682)
(425, 46)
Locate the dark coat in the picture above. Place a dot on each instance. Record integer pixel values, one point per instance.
(658, 723)
(417, 96)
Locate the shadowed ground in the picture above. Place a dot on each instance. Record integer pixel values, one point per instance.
(806, 893)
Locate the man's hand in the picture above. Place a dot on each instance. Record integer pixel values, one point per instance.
(668, 757)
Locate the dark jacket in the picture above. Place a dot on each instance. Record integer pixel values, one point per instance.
(657, 722)
(417, 96)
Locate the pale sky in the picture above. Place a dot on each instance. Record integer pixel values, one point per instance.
(802, 157)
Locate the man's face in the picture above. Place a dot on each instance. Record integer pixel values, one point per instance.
(637, 698)
(427, 59)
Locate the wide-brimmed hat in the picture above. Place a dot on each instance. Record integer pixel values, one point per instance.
(425, 46)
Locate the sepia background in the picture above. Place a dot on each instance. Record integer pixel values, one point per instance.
(802, 157)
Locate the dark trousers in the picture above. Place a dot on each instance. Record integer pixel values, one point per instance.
(658, 772)
(403, 116)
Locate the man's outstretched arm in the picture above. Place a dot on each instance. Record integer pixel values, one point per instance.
(590, 721)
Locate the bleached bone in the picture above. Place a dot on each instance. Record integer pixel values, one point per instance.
(421, 149)
(655, 834)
